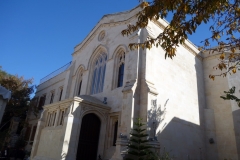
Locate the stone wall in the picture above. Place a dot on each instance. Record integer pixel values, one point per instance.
(225, 113)
(180, 99)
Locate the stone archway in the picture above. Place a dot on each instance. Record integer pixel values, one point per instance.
(89, 137)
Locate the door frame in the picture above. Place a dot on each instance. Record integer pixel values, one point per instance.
(102, 114)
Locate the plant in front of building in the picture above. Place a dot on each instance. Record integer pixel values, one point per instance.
(138, 149)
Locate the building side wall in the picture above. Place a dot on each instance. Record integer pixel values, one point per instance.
(180, 87)
(50, 143)
(53, 84)
(234, 80)
(225, 140)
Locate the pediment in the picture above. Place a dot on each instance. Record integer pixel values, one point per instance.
(109, 20)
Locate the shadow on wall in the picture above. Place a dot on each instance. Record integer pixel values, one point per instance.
(156, 116)
(182, 139)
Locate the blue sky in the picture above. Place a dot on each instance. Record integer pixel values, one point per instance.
(38, 36)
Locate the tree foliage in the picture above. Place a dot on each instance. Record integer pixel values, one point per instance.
(138, 149)
(188, 15)
(229, 95)
(21, 89)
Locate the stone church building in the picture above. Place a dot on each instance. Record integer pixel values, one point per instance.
(89, 105)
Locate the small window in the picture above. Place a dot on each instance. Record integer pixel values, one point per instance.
(120, 75)
(52, 97)
(42, 102)
(61, 117)
(53, 118)
(119, 70)
(79, 83)
(49, 119)
(79, 88)
(115, 133)
(60, 95)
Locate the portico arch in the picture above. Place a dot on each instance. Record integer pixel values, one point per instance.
(88, 105)
(89, 137)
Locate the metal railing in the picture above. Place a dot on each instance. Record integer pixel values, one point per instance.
(55, 73)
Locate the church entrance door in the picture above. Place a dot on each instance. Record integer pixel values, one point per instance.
(89, 137)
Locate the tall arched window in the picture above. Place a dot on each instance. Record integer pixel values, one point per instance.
(121, 61)
(79, 83)
(99, 69)
(79, 86)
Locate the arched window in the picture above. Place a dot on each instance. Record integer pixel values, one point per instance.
(79, 83)
(79, 88)
(99, 69)
(121, 61)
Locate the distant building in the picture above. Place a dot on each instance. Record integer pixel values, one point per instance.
(89, 105)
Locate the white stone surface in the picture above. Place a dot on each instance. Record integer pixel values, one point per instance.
(188, 110)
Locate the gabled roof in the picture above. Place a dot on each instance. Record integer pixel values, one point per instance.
(125, 18)
(109, 20)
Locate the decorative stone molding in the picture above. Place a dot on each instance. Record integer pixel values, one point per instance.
(192, 51)
(151, 88)
(86, 108)
(101, 35)
(99, 50)
(129, 86)
(61, 104)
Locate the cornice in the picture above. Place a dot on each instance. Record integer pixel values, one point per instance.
(61, 104)
(185, 45)
(192, 51)
(102, 106)
(49, 86)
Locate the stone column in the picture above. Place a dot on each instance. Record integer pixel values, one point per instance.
(57, 117)
(67, 127)
(70, 126)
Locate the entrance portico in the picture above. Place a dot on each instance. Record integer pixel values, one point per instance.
(67, 140)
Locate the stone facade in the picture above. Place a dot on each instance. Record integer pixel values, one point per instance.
(176, 99)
